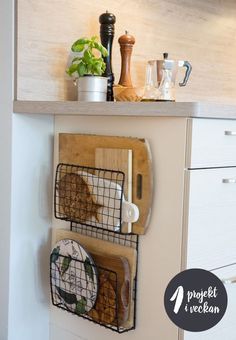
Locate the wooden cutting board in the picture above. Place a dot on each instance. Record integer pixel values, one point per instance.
(105, 248)
(120, 266)
(117, 159)
(80, 149)
(121, 160)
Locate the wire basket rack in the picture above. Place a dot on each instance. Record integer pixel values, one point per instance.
(104, 306)
(127, 240)
(89, 196)
(64, 285)
(91, 200)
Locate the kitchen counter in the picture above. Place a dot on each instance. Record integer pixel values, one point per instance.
(152, 109)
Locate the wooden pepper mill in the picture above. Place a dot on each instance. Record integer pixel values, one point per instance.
(126, 42)
(107, 32)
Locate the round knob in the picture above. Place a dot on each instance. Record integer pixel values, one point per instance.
(165, 55)
(107, 18)
(126, 39)
(130, 212)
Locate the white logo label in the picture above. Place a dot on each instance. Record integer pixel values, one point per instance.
(178, 297)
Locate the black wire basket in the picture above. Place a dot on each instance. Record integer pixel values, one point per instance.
(91, 200)
(100, 305)
(89, 196)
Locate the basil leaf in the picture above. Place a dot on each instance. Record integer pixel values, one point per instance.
(82, 69)
(72, 69)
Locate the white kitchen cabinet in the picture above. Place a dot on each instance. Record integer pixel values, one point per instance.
(213, 143)
(225, 329)
(212, 218)
(209, 232)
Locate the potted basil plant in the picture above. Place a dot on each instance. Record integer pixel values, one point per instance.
(88, 68)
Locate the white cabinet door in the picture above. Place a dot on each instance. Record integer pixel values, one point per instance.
(212, 143)
(226, 328)
(211, 218)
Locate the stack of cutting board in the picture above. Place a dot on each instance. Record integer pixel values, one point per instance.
(117, 259)
(131, 156)
(127, 154)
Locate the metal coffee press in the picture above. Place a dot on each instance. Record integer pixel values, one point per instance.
(161, 78)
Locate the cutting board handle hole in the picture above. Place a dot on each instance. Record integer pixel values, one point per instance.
(139, 189)
(125, 293)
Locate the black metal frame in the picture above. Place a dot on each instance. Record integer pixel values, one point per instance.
(103, 233)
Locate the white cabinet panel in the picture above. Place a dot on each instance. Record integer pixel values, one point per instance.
(226, 328)
(213, 143)
(211, 218)
(160, 254)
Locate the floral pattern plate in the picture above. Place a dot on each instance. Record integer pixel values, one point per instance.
(74, 277)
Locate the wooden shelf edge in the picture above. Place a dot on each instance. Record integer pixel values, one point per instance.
(152, 109)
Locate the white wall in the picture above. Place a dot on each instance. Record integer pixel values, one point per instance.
(30, 231)
(5, 154)
(26, 149)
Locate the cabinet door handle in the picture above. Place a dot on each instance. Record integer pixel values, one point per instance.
(230, 133)
(229, 180)
(229, 281)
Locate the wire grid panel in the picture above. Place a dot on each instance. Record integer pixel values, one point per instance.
(89, 196)
(68, 292)
(128, 240)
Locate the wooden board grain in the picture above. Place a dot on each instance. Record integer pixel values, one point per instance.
(120, 266)
(80, 149)
(105, 248)
(117, 159)
(121, 160)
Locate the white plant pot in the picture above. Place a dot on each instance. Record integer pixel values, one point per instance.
(92, 89)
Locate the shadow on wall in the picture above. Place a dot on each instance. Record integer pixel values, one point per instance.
(44, 248)
(42, 277)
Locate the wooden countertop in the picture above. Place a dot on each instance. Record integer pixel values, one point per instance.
(151, 109)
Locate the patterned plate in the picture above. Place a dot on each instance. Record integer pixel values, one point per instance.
(74, 277)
